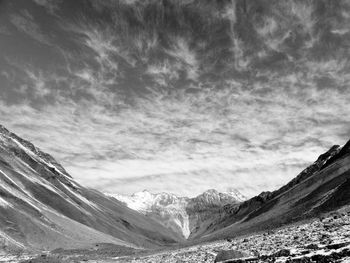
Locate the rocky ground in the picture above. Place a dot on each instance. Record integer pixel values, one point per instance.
(322, 240)
(326, 239)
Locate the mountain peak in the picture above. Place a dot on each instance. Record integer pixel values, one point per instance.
(236, 194)
(210, 192)
(3, 130)
(28, 153)
(334, 153)
(142, 193)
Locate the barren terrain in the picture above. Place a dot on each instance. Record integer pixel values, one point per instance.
(324, 239)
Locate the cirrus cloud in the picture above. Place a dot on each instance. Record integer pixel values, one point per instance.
(181, 101)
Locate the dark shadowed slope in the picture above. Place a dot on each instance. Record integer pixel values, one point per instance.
(41, 206)
(317, 189)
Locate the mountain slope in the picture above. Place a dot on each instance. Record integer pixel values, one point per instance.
(41, 207)
(183, 215)
(319, 188)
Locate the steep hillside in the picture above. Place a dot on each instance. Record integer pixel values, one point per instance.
(205, 209)
(318, 189)
(42, 207)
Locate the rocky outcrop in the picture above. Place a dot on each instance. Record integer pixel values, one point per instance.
(206, 208)
(27, 151)
(341, 152)
(225, 255)
(210, 198)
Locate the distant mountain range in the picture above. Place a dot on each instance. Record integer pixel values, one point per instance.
(43, 208)
(181, 214)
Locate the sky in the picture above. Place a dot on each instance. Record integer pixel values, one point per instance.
(177, 96)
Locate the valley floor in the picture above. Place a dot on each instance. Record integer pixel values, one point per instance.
(325, 239)
(321, 240)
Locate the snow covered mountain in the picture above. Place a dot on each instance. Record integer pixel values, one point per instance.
(43, 208)
(180, 214)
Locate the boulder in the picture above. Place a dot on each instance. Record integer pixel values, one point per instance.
(224, 255)
(282, 253)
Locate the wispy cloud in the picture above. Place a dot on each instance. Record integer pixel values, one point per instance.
(164, 72)
(25, 22)
(182, 52)
(217, 133)
(206, 106)
(51, 5)
(4, 30)
(229, 13)
(38, 84)
(303, 11)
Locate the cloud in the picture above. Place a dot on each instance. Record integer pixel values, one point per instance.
(165, 72)
(230, 12)
(241, 61)
(303, 11)
(182, 52)
(214, 137)
(145, 43)
(25, 22)
(181, 103)
(341, 31)
(50, 5)
(4, 30)
(268, 27)
(37, 80)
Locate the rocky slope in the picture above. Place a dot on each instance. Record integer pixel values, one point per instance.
(317, 189)
(181, 214)
(42, 207)
(255, 202)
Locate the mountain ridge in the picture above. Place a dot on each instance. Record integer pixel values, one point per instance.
(42, 208)
(303, 197)
(176, 212)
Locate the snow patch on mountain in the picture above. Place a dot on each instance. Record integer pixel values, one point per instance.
(235, 194)
(167, 206)
(4, 203)
(141, 201)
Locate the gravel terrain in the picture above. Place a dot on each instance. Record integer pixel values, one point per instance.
(322, 240)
